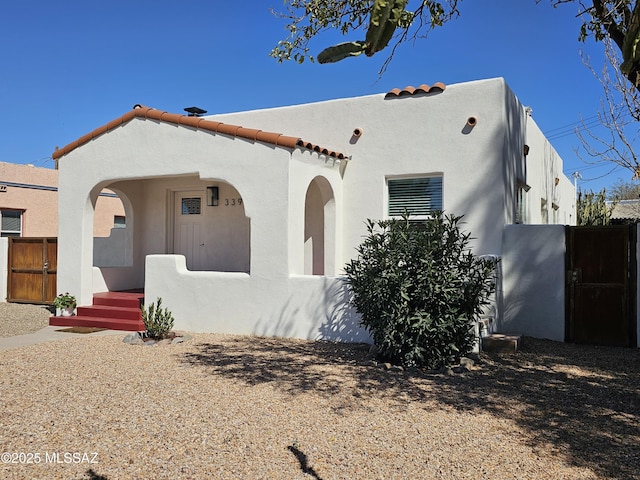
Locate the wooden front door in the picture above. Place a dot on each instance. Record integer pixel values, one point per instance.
(33, 264)
(601, 285)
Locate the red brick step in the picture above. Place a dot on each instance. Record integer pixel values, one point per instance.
(112, 310)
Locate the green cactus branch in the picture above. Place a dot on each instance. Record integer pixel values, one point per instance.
(384, 19)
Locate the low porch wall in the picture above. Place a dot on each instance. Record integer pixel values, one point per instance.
(306, 307)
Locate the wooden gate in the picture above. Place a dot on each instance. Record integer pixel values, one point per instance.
(32, 270)
(601, 285)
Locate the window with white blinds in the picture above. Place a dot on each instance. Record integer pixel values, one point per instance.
(11, 223)
(418, 196)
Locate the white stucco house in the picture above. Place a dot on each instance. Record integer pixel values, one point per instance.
(240, 229)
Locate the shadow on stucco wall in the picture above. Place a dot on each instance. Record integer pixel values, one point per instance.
(342, 321)
(325, 316)
(282, 324)
(533, 268)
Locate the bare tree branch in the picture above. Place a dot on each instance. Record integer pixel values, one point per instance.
(619, 115)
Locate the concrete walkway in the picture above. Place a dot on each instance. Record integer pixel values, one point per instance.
(49, 334)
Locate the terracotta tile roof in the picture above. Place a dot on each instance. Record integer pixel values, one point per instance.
(408, 91)
(202, 124)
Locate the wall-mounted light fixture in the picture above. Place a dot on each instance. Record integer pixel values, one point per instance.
(212, 196)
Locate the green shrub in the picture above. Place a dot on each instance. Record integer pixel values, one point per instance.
(419, 289)
(158, 321)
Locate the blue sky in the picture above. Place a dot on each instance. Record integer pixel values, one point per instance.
(69, 66)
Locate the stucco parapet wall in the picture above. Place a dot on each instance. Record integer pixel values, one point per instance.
(140, 111)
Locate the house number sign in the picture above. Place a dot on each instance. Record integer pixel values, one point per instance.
(230, 202)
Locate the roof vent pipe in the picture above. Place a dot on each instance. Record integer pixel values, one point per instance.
(472, 122)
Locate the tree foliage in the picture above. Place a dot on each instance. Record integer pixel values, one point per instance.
(618, 20)
(622, 190)
(309, 18)
(419, 289)
(593, 209)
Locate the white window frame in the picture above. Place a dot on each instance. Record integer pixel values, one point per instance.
(439, 177)
(7, 232)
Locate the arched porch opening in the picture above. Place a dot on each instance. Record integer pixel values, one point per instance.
(109, 213)
(113, 228)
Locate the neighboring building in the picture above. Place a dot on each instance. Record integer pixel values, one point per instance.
(242, 230)
(29, 203)
(626, 212)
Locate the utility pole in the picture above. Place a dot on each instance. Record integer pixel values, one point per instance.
(576, 176)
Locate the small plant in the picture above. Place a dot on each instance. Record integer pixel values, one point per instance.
(158, 321)
(65, 300)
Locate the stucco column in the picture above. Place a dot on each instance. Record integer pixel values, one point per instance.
(75, 240)
(270, 224)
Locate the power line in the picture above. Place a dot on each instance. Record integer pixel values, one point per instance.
(548, 132)
(588, 122)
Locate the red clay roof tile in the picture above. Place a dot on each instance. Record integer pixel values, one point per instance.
(200, 123)
(408, 91)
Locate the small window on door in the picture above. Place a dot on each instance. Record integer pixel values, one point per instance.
(11, 223)
(191, 206)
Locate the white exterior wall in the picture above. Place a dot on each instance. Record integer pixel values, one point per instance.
(311, 307)
(145, 162)
(144, 149)
(533, 283)
(413, 136)
(267, 178)
(544, 166)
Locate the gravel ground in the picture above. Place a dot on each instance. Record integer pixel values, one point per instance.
(19, 318)
(232, 407)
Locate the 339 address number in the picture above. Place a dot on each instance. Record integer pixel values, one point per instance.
(230, 202)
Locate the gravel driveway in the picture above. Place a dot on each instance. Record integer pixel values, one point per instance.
(19, 318)
(232, 407)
